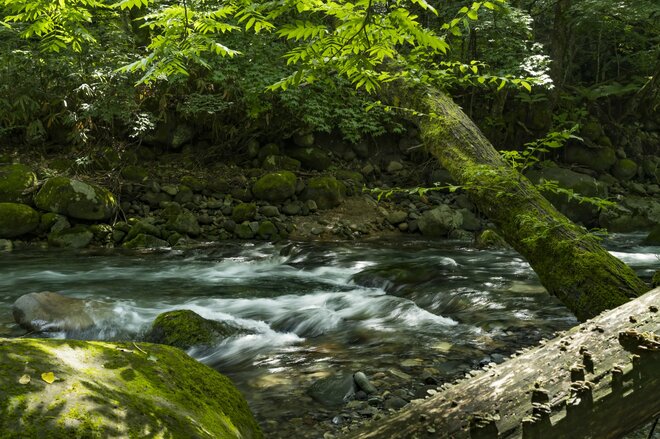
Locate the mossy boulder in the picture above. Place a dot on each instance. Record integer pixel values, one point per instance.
(624, 169)
(115, 390)
(143, 227)
(195, 184)
(311, 158)
(244, 212)
(76, 199)
(653, 238)
(268, 230)
(490, 239)
(273, 162)
(185, 328)
(185, 223)
(599, 159)
(75, 237)
(15, 180)
(276, 186)
(327, 192)
(145, 241)
(134, 173)
(17, 220)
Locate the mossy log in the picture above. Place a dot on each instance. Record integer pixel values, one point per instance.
(601, 379)
(570, 263)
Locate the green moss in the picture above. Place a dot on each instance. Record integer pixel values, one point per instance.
(327, 192)
(134, 173)
(276, 186)
(195, 184)
(185, 329)
(17, 220)
(155, 391)
(145, 241)
(76, 199)
(14, 181)
(655, 281)
(76, 237)
(624, 169)
(268, 230)
(244, 212)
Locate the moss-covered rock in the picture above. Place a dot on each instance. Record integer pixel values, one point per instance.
(17, 220)
(245, 230)
(115, 390)
(134, 173)
(311, 158)
(184, 329)
(185, 223)
(195, 184)
(145, 241)
(14, 181)
(143, 227)
(276, 186)
(653, 238)
(76, 199)
(598, 159)
(76, 237)
(624, 169)
(327, 192)
(489, 238)
(268, 230)
(244, 212)
(273, 162)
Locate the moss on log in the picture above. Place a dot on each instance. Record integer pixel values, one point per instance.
(570, 263)
(599, 380)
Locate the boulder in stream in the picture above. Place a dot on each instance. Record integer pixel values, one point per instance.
(184, 329)
(76, 199)
(48, 311)
(67, 388)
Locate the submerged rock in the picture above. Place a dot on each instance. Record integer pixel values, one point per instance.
(184, 329)
(76, 237)
(76, 199)
(48, 311)
(66, 388)
(334, 390)
(439, 222)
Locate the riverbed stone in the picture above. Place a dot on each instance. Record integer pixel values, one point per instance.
(145, 241)
(76, 199)
(143, 227)
(333, 391)
(244, 230)
(76, 237)
(244, 212)
(275, 186)
(268, 230)
(185, 223)
(103, 389)
(280, 162)
(17, 220)
(396, 216)
(49, 311)
(16, 183)
(327, 192)
(439, 222)
(185, 328)
(653, 238)
(363, 383)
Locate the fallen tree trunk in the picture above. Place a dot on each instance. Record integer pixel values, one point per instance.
(570, 263)
(601, 379)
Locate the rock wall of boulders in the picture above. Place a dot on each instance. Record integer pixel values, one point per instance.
(167, 200)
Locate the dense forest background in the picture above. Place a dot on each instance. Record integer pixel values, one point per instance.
(64, 86)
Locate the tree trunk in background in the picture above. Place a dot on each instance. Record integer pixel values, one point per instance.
(570, 263)
(560, 43)
(581, 384)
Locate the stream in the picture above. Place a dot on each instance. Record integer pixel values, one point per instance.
(407, 312)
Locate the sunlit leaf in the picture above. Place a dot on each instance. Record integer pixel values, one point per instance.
(25, 379)
(48, 377)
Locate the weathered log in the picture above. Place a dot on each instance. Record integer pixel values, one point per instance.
(600, 379)
(570, 263)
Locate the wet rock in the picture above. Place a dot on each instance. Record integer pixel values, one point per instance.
(326, 192)
(269, 211)
(17, 220)
(489, 238)
(185, 223)
(334, 390)
(363, 383)
(470, 221)
(276, 186)
(76, 199)
(597, 158)
(396, 217)
(145, 241)
(653, 238)
(244, 231)
(16, 183)
(292, 208)
(268, 230)
(394, 403)
(143, 227)
(48, 311)
(439, 222)
(185, 328)
(75, 237)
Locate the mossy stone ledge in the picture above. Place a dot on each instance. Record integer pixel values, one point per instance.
(126, 390)
(76, 199)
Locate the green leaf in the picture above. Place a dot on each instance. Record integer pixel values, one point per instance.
(526, 86)
(472, 15)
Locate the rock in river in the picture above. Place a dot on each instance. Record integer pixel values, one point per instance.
(50, 311)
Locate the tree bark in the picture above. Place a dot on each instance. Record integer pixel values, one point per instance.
(570, 263)
(600, 379)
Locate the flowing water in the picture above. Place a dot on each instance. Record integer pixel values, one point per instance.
(315, 309)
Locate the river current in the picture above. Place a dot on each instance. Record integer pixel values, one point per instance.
(316, 309)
